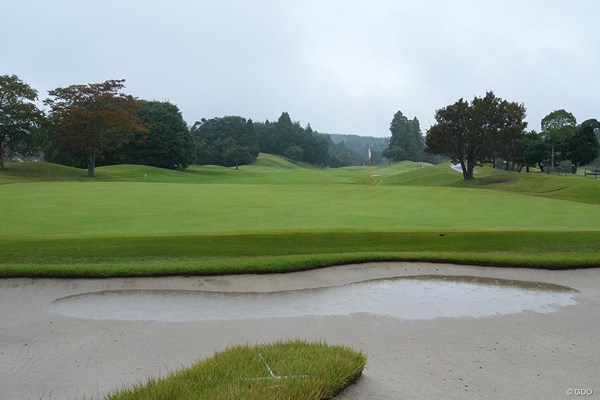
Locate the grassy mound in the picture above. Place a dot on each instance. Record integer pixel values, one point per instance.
(283, 370)
(569, 187)
(39, 172)
(278, 162)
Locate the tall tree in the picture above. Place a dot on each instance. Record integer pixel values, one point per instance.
(557, 128)
(468, 133)
(169, 144)
(294, 153)
(450, 137)
(584, 147)
(94, 118)
(535, 151)
(217, 135)
(394, 153)
(236, 155)
(510, 133)
(19, 116)
(407, 140)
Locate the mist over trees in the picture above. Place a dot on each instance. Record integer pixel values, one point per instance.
(353, 149)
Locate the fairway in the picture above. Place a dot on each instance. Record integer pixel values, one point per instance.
(138, 209)
(135, 220)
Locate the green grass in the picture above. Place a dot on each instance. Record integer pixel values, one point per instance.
(285, 252)
(302, 371)
(276, 216)
(112, 209)
(567, 187)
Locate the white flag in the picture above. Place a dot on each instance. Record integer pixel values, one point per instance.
(369, 154)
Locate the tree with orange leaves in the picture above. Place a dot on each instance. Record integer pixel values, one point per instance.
(94, 118)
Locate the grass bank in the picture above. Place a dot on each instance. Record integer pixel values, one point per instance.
(290, 251)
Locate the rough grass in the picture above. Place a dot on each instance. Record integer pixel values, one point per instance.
(283, 370)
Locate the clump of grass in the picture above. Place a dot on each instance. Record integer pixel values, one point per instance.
(282, 370)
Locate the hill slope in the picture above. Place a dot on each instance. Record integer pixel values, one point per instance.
(272, 169)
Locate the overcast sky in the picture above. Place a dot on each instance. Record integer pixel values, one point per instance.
(342, 66)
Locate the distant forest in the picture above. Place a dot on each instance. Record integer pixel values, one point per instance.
(354, 149)
(234, 141)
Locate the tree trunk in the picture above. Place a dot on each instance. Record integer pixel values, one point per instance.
(464, 169)
(527, 168)
(467, 170)
(470, 168)
(1, 156)
(91, 164)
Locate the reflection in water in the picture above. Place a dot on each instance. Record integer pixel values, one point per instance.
(419, 297)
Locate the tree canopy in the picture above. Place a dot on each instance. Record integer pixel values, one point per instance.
(535, 151)
(93, 118)
(227, 141)
(19, 117)
(407, 141)
(470, 133)
(557, 128)
(583, 147)
(285, 136)
(169, 144)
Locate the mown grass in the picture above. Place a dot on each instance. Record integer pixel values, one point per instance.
(277, 216)
(282, 370)
(119, 209)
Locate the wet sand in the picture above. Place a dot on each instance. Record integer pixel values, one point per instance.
(525, 355)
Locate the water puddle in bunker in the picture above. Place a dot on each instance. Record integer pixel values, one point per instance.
(417, 297)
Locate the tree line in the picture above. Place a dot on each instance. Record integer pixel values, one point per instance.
(99, 124)
(489, 129)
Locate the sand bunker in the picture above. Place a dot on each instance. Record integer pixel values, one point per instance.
(83, 338)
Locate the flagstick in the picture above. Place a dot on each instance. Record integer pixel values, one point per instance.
(369, 174)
